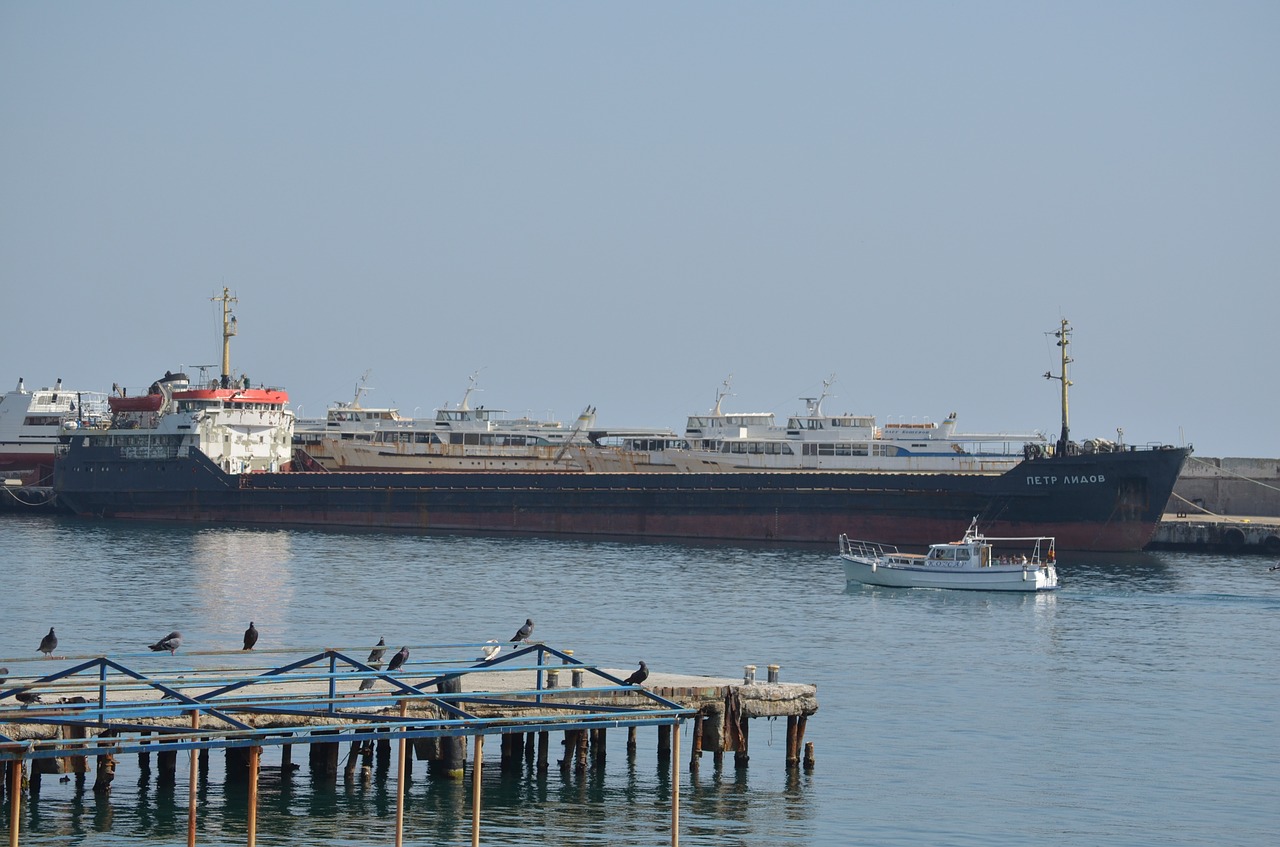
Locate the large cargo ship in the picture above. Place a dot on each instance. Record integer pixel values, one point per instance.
(220, 454)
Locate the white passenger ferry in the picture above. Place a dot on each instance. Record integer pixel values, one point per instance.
(814, 440)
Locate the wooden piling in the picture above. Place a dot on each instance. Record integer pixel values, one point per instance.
(809, 760)
(598, 747)
(167, 762)
(793, 750)
(695, 747)
(741, 756)
(631, 742)
(144, 756)
(544, 742)
(664, 742)
(106, 773)
(323, 757)
(529, 738)
(581, 764)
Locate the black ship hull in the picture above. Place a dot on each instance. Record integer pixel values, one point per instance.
(1104, 502)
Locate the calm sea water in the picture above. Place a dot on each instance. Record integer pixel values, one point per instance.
(1136, 706)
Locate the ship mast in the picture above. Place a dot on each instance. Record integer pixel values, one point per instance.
(228, 330)
(1064, 339)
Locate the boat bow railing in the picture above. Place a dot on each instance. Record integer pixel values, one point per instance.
(866, 549)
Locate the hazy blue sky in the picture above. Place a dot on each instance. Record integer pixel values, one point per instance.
(622, 204)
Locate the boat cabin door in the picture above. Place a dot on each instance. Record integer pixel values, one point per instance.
(985, 556)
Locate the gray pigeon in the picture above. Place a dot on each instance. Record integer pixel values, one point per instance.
(170, 642)
(48, 644)
(639, 676)
(399, 659)
(250, 636)
(28, 697)
(376, 654)
(523, 633)
(4, 675)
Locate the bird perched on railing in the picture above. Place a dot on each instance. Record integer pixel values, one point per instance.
(524, 632)
(170, 642)
(399, 659)
(250, 636)
(639, 676)
(48, 644)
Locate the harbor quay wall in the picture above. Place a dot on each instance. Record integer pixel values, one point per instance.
(1228, 486)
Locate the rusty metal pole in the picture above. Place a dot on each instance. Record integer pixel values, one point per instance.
(404, 743)
(675, 784)
(192, 784)
(255, 759)
(475, 791)
(15, 800)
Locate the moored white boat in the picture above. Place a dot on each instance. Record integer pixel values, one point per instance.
(31, 422)
(973, 563)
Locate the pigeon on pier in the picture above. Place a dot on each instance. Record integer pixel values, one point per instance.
(366, 684)
(26, 698)
(490, 650)
(639, 676)
(48, 644)
(523, 633)
(376, 654)
(250, 636)
(399, 659)
(170, 642)
(4, 675)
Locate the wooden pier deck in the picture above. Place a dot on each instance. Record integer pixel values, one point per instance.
(94, 709)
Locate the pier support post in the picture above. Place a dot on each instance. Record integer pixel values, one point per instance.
(675, 784)
(167, 761)
(544, 742)
(476, 768)
(598, 747)
(664, 743)
(286, 761)
(793, 748)
(323, 758)
(192, 784)
(144, 757)
(801, 722)
(528, 747)
(255, 760)
(695, 747)
(15, 800)
(581, 764)
(403, 751)
(106, 773)
(741, 756)
(809, 761)
(631, 742)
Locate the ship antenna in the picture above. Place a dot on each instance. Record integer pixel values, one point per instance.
(1064, 339)
(722, 393)
(471, 386)
(228, 330)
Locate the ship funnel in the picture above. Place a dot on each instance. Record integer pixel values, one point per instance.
(20, 384)
(58, 387)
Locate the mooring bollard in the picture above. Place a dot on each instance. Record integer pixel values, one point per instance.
(553, 678)
(748, 674)
(773, 672)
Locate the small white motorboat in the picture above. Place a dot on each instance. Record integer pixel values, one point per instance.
(974, 563)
